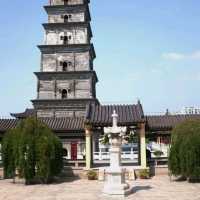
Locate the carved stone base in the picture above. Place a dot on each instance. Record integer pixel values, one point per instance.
(115, 183)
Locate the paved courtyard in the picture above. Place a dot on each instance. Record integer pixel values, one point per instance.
(158, 188)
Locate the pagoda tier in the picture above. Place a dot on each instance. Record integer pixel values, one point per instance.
(77, 84)
(68, 48)
(62, 107)
(73, 13)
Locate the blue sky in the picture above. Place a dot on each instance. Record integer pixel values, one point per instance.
(146, 49)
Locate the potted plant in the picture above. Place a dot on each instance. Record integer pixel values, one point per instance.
(144, 174)
(92, 175)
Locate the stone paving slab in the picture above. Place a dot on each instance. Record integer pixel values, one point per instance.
(157, 188)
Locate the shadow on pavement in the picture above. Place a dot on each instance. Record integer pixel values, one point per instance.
(64, 179)
(139, 188)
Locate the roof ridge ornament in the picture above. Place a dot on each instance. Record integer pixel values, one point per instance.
(115, 117)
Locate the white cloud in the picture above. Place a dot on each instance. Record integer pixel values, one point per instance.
(181, 56)
(173, 56)
(135, 76)
(190, 77)
(195, 55)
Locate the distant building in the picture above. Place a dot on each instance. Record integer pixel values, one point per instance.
(185, 111)
(190, 110)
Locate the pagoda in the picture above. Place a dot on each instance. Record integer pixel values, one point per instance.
(67, 80)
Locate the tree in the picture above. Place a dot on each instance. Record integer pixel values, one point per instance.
(33, 150)
(184, 157)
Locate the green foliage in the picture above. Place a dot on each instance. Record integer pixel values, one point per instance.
(92, 175)
(105, 139)
(8, 152)
(131, 138)
(184, 157)
(147, 140)
(33, 150)
(144, 174)
(158, 153)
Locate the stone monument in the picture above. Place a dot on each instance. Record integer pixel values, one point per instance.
(115, 183)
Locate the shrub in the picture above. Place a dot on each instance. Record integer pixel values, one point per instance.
(33, 150)
(184, 157)
(92, 175)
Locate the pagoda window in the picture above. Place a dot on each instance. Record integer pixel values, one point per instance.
(65, 65)
(65, 2)
(64, 94)
(67, 18)
(66, 39)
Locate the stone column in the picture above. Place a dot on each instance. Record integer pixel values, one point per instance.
(143, 159)
(88, 138)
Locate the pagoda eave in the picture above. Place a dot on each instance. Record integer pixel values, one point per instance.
(68, 75)
(84, 2)
(68, 48)
(64, 103)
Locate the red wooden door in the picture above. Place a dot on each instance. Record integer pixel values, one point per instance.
(74, 151)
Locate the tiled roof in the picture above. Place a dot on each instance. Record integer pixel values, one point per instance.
(26, 113)
(96, 115)
(64, 124)
(56, 124)
(167, 122)
(100, 115)
(6, 124)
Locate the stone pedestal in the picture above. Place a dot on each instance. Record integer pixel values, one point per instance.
(115, 183)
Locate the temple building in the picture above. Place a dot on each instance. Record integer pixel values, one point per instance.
(66, 95)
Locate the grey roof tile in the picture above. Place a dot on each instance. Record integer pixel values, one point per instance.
(167, 122)
(100, 115)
